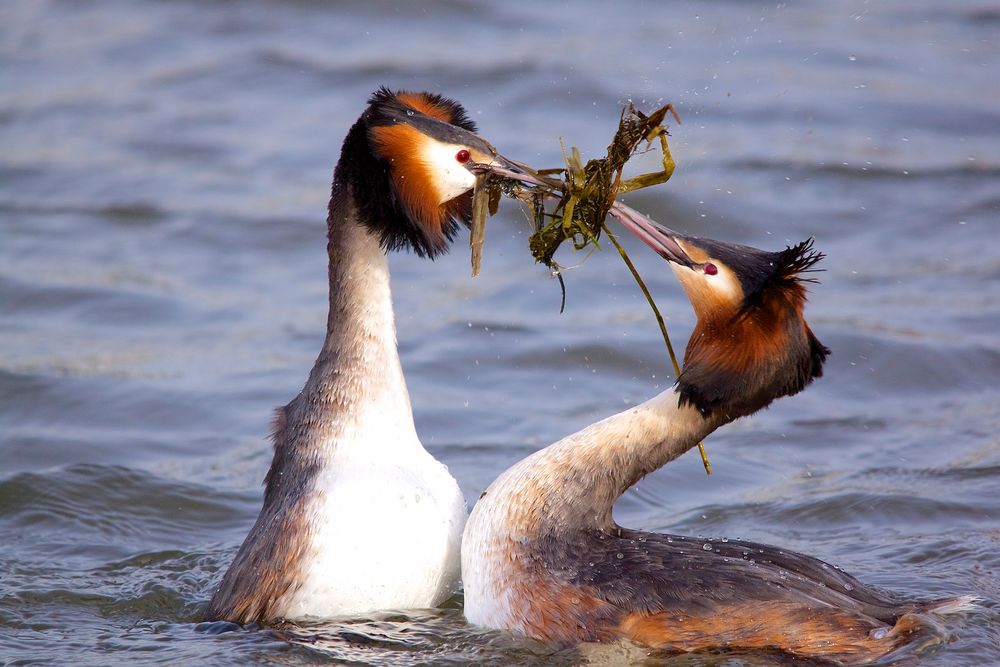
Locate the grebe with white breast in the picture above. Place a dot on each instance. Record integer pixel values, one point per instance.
(543, 557)
(357, 515)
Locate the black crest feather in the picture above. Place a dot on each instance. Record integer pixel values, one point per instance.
(784, 269)
(384, 101)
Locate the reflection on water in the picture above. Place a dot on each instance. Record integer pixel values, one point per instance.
(163, 182)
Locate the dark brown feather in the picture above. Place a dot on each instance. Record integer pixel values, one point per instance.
(671, 592)
(268, 564)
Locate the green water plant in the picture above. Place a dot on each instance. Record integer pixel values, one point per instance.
(572, 203)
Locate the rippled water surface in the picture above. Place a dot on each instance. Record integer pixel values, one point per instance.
(164, 170)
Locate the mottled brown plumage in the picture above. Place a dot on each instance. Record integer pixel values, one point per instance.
(273, 559)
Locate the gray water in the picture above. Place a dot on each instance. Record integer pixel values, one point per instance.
(164, 171)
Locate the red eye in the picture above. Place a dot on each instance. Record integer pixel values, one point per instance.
(463, 156)
(711, 269)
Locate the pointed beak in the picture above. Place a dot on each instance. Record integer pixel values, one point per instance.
(510, 165)
(662, 240)
(504, 166)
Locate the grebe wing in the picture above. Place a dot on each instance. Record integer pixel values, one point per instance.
(263, 571)
(644, 572)
(682, 593)
(266, 566)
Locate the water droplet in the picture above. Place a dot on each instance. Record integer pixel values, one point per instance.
(619, 555)
(706, 546)
(725, 539)
(409, 112)
(848, 587)
(878, 633)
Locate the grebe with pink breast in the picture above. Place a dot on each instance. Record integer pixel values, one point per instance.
(543, 557)
(357, 515)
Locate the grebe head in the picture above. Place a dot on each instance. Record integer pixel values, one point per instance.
(751, 344)
(407, 163)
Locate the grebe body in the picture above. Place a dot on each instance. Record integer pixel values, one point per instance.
(543, 557)
(357, 515)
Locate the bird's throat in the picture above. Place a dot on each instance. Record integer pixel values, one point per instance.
(356, 392)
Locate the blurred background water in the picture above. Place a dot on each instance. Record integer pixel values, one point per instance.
(164, 172)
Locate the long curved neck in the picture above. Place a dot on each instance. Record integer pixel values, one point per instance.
(575, 482)
(359, 365)
(355, 402)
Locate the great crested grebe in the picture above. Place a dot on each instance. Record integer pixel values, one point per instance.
(357, 516)
(543, 557)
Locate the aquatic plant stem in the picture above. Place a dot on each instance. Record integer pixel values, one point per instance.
(663, 327)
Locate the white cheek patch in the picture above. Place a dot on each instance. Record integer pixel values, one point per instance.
(450, 176)
(724, 285)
